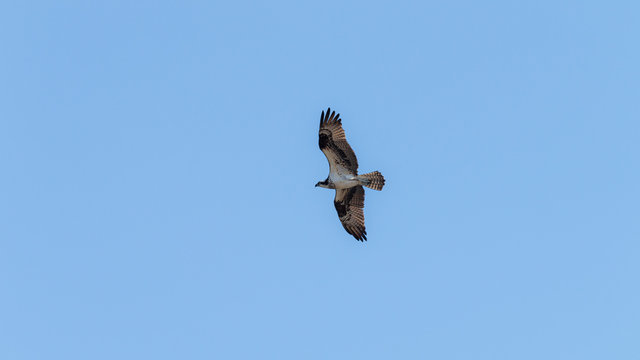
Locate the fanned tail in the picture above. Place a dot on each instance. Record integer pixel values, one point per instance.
(373, 180)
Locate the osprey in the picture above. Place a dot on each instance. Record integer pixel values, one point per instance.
(343, 175)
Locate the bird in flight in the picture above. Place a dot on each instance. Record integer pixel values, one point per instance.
(343, 175)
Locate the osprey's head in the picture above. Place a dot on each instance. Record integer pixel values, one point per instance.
(323, 184)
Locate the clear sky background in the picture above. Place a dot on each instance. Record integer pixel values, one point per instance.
(158, 164)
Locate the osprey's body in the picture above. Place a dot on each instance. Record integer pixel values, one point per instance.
(340, 181)
(343, 175)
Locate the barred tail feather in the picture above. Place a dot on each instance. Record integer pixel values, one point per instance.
(373, 180)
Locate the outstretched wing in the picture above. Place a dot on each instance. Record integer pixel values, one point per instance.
(334, 145)
(349, 203)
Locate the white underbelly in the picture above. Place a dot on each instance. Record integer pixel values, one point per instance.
(341, 181)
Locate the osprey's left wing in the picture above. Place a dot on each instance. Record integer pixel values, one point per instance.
(349, 203)
(334, 145)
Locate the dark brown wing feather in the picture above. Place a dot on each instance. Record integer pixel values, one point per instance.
(334, 145)
(349, 204)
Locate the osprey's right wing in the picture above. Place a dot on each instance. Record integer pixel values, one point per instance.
(349, 204)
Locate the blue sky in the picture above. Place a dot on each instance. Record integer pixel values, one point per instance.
(159, 162)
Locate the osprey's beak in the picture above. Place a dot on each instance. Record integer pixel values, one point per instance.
(316, 184)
